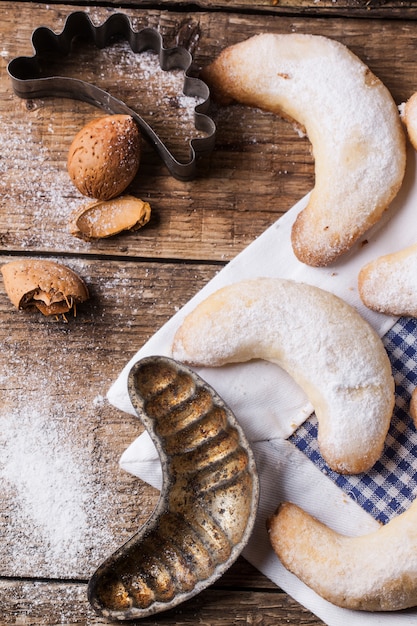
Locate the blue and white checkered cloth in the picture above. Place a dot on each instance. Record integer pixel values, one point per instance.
(391, 485)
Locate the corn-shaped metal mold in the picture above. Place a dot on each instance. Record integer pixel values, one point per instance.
(207, 507)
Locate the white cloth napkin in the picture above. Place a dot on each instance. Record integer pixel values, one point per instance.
(270, 406)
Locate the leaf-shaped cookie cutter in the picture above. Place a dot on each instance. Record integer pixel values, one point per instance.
(29, 82)
(208, 503)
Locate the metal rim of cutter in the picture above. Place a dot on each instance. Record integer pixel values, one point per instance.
(27, 82)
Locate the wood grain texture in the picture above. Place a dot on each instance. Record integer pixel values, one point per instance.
(258, 170)
(397, 9)
(49, 604)
(45, 365)
(54, 374)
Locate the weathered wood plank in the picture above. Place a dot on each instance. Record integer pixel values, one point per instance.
(61, 440)
(259, 169)
(47, 604)
(399, 9)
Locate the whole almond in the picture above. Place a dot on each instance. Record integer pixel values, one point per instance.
(48, 286)
(104, 156)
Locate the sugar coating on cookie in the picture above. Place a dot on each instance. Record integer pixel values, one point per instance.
(349, 116)
(388, 284)
(372, 572)
(409, 117)
(320, 340)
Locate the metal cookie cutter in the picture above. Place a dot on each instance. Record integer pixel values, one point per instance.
(29, 80)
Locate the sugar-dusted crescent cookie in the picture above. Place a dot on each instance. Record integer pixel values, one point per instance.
(409, 117)
(320, 340)
(349, 116)
(388, 284)
(373, 572)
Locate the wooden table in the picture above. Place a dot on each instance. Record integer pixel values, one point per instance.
(66, 504)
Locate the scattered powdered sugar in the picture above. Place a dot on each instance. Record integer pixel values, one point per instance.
(389, 283)
(166, 108)
(34, 182)
(54, 503)
(33, 186)
(34, 599)
(42, 470)
(145, 66)
(23, 154)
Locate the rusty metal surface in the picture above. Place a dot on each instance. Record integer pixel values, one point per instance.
(208, 502)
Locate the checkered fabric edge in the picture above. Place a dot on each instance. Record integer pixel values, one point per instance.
(390, 486)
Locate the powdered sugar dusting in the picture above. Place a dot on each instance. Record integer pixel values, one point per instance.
(41, 468)
(330, 351)
(350, 119)
(51, 494)
(59, 497)
(155, 94)
(33, 185)
(389, 284)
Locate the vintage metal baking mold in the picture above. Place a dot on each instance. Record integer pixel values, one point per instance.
(207, 507)
(30, 80)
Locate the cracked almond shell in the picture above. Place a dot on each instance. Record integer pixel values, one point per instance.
(101, 219)
(48, 286)
(104, 156)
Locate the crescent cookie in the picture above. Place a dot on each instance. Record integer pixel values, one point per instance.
(409, 117)
(373, 572)
(320, 340)
(389, 283)
(349, 117)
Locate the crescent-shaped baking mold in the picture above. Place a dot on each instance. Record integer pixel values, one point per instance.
(208, 502)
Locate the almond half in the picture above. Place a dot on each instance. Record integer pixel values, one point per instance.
(48, 286)
(101, 219)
